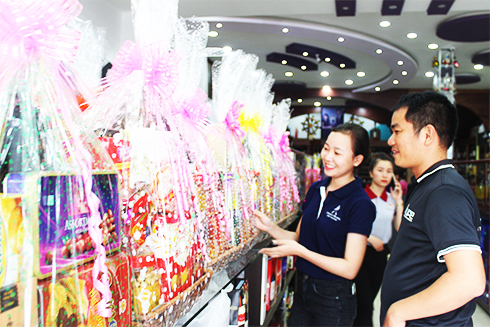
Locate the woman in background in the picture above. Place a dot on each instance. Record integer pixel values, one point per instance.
(389, 209)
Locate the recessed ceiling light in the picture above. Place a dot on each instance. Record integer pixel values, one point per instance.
(404, 73)
(219, 25)
(317, 103)
(213, 34)
(342, 65)
(377, 89)
(349, 82)
(399, 62)
(395, 81)
(227, 48)
(361, 74)
(327, 59)
(345, 8)
(305, 54)
(285, 30)
(429, 74)
(300, 100)
(326, 88)
(288, 74)
(303, 67)
(341, 39)
(412, 35)
(329, 98)
(379, 51)
(284, 62)
(392, 7)
(384, 23)
(433, 46)
(478, 66)
(324, 73)
(441, 6)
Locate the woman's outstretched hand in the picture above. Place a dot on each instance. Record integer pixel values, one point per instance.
(283, 248)
(263, 222)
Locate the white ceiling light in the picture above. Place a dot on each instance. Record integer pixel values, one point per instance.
(329, 98)
(227, 48)
(478, 66)
(379, 51)
(317, 103)
(327, 59)
(429, 74)
(349, 82)
(213, 34)
(342, 65)
(377, 89)
(303, 67)
(395, 81)
(326, 88)
(433, 46)
(412, 35)
(361, 74)
(384, 23)
(324, 73)
(219, 25)
(285, 30)
(300, 100)
(284, 62)
(305, 54)
(288, 74)
(399, 62)
(404, 73)
(341, 39)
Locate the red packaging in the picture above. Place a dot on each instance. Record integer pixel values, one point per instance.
(72, 300)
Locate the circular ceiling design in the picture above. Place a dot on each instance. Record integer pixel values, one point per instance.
(473, 28)
(482, 58)
(467, 78)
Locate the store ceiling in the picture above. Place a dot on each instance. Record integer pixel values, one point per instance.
(257, 27)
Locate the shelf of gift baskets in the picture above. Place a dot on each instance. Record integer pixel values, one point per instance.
(221, 278)
(278, 298)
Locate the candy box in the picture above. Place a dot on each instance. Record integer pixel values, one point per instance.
(11, 239)
(71, 299)
(59, 203)
(12, 302)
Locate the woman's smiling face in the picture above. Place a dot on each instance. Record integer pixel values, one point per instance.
(337, 155)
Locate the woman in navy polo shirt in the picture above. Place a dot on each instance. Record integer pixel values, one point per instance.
(330, 240)
(389, 210)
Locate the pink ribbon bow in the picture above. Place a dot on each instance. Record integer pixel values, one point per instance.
(194, 109)
(160, 67)
(284, 143)
(29, 30)
(270, 136)
(231, 119)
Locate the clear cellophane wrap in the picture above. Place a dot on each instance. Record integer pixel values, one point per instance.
(152, 117)
(59, 209)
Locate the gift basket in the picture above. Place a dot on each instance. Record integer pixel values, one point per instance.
(61, 263)
(150, 116)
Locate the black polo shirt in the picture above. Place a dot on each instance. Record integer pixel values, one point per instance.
(346, 210)
(441, 216)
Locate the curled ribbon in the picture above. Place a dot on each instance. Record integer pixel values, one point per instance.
(252, 123)
(231, 119)
(194, 109)
(284, 143)
(160, 67)
(39, 28)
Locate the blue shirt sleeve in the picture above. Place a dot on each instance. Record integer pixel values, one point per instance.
(362, 215)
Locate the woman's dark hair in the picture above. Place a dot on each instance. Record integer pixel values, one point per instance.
(378, 158)
(432, 108)
(359, 137)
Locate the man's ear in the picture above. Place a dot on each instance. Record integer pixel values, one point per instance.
(358, 160)
(430, 135)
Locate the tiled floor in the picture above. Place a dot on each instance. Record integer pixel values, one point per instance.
(480, 317)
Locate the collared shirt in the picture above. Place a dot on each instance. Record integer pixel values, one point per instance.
(385, 212)
(326, 222)
(440, 216)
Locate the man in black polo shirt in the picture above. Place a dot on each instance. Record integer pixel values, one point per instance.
(435, 271)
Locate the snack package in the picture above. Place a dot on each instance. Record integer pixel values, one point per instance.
(13, 305)
(71, 299)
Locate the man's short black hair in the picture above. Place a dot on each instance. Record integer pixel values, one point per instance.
(432, 108)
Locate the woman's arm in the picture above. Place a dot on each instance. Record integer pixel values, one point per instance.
(397, 195)
(265, 224)
(346, 267)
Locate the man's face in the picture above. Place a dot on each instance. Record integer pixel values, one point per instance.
(406, 145)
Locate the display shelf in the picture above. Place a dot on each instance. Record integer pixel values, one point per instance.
(477, 173)
(289, 277)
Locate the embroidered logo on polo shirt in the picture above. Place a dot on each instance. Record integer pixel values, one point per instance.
(333, 214)
(408, 214)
